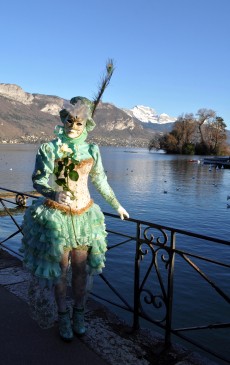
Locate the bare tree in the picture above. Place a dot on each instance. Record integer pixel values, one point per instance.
(204, 115)
(183, 130)
(154, 143)
(215, 135)
(169, 143)
(203, 135)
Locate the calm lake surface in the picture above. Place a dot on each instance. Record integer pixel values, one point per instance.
(164, 189)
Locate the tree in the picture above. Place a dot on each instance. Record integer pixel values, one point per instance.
(183, 131)
(203, 135)
(154, 142)
(180, 139)
(169, 143)
(204, 116)
(216, 135)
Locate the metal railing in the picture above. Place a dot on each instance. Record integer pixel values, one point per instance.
(158, 252)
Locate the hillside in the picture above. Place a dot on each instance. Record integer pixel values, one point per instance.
(30, 118)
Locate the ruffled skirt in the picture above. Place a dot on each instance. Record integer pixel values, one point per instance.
(48, 232)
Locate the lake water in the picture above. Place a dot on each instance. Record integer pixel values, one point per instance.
(164, 189)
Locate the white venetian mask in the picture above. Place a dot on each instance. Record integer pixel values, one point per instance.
(75, 122)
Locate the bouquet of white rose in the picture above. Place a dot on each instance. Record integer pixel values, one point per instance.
(65, 169)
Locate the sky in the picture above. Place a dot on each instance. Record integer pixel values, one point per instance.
(170, 55)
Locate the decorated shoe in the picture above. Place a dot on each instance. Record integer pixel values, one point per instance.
(65, 328)
(79, 321)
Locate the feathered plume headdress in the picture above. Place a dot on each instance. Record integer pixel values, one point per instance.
(103, 84)
(85, 106)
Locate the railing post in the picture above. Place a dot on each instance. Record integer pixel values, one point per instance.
(136, 324)
(170, 290)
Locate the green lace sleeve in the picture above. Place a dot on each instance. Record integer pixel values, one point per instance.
(44, 166)
(99, 179)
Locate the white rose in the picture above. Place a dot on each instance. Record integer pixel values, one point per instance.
(65, 149)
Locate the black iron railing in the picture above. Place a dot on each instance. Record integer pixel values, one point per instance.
(158, 253)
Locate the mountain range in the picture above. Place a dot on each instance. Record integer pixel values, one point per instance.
(145, 114)
(31, 118)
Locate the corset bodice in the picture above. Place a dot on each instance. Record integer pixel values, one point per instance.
(79, 187)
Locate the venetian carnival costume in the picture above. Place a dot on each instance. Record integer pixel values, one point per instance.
(65, 218)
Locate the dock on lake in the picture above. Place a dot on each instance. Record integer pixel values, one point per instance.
(220, 162)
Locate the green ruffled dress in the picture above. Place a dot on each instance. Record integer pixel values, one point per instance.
(49, 231)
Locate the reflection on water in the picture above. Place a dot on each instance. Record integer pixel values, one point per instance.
(170, 190)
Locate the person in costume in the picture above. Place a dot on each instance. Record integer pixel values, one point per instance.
(65, 225)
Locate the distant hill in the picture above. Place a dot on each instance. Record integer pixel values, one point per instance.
(31, 118)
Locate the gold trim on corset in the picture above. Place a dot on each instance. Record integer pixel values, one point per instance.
(67, 209)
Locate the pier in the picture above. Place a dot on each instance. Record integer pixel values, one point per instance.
(220, 162)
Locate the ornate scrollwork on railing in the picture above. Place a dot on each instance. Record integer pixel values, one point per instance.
(20, 200)
(157, 302)
(149, 237)
(152, 299)
(164, 259)
(157, 246)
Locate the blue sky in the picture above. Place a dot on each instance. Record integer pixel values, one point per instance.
(171, 55)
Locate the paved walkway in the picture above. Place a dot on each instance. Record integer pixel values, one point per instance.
(107, 342)
(23, 342)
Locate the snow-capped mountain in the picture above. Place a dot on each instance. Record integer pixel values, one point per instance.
(149, 115)
(31, 118)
